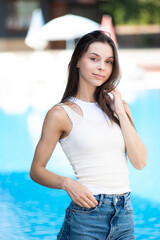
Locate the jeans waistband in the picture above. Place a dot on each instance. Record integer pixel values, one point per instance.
(112, 198)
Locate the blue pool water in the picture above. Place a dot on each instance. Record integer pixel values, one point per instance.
(29, 211)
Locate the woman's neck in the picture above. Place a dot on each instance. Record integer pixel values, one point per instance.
(85, 98)
(85, 94)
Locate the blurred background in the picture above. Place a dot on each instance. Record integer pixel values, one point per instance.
(34, 56)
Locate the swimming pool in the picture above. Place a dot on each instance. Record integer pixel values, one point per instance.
(29, 211)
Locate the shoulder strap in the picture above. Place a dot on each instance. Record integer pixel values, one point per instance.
(73, 116)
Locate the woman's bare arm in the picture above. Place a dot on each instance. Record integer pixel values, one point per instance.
(53, 128)
(136, 150)
(51, 132)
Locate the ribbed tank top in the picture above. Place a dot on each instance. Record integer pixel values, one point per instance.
(96, 150)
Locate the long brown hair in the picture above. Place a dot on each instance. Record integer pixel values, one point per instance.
(73, 75)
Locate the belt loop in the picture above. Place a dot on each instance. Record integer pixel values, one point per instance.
(126, 196)
(100, 200)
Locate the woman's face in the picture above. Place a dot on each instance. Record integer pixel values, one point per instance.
(95, 65)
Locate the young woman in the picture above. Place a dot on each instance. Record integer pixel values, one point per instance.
(96, 132)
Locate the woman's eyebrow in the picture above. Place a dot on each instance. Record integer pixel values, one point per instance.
(98, 55)
(94, 54)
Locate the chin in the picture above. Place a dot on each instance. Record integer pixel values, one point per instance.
(99, 84)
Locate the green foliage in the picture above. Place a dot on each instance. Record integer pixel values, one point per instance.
(132, 11)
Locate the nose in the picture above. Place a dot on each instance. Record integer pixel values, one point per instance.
(101, 65)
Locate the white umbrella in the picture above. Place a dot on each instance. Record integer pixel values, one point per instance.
(32, 39)
(67, 27)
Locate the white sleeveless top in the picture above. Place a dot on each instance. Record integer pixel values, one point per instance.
(96, 150)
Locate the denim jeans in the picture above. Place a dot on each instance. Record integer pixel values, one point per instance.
(111, 219)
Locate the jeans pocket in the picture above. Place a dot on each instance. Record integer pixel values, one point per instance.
(82, 210)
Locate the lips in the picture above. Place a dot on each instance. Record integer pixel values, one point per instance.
(98, 75)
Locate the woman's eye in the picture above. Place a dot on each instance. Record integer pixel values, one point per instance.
(93, 59)
(110, 62)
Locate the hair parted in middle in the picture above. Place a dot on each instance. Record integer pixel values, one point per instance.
(73, 73)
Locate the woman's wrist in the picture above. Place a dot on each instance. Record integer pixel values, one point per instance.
(65, 183)
(121, 114)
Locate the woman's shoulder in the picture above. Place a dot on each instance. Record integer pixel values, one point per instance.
(56, 113)
(56, 119)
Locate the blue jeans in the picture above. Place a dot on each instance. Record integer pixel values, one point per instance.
(111, 219)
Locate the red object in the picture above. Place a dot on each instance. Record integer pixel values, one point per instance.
(107, 26)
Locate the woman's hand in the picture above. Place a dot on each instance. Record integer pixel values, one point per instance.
(80, 194)
(116, 103)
